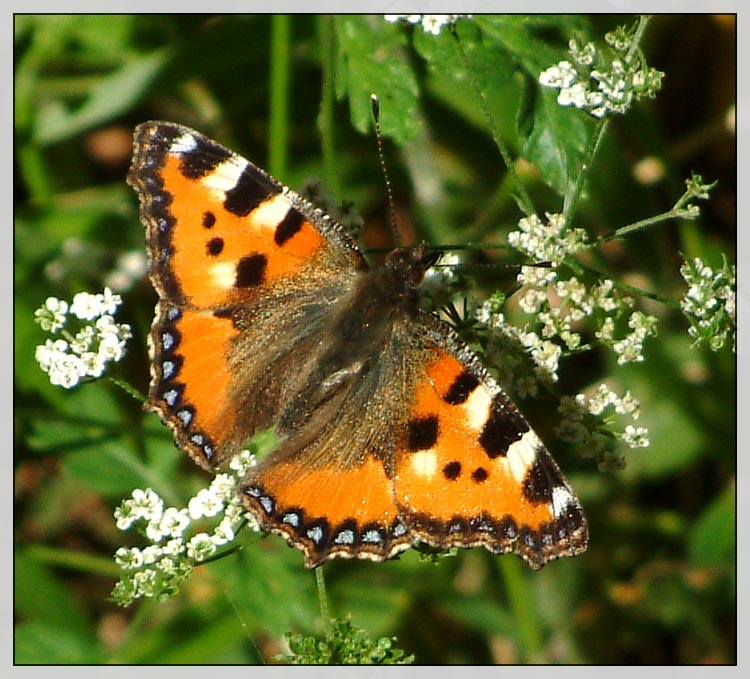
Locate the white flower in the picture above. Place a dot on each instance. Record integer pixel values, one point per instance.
(536, 276)
(130, 267)
(129, 558)
(431, 23)
(200, 547)
(51, 352)
(93, 364)
(86, 306)
(92, 347)
(241, 463)
(173, 547)
(576, 95)
(147, 504)
(610, 88)
(66, 371)
(151, 554)
(223, 486)
(52, 314)
(636, 437)
(174, 522)
(224, 532)
(561, 75)
(205, 503)
(585, 56)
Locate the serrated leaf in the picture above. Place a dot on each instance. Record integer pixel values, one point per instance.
(269, 589)
(371, 60)
(492, 72)
(551, 137)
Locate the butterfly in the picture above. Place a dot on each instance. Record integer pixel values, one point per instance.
(391, 431)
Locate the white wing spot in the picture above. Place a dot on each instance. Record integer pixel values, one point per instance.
(477, 407)
(183, 144)
(226, 175)
(424, 463)
(224, 274)
(521, 455)
(561, 500)
(271, 212)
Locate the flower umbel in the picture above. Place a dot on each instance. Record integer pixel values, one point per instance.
(619, 79)
(709, 303)
(94, 345)
(431, 23)
(587, 421)
(179, 538)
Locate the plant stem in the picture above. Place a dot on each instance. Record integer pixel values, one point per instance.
(278, 133)
(128, 388)
(572, 197)
(521, 603)
(327, 100)
(677, 211)
(323, 598)
(73, 560)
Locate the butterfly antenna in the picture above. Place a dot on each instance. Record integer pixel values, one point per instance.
(378, 138)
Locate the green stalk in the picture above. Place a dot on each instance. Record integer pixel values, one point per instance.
(572, 197)
(323, 598)
(73, 560)
(327, 101)
(521, 599)
(278, 124)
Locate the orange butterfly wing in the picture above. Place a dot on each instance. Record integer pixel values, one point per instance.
(391, 431)
(225, 243)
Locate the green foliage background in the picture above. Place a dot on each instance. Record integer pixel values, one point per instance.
(657, 584)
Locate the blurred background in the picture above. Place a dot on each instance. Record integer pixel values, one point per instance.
(658, 583)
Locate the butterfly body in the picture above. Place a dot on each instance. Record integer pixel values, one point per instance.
(391, 432)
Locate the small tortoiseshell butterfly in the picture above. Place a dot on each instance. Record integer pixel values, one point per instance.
(391, 431)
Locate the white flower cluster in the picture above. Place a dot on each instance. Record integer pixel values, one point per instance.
(87, 353)
(609, 88)
(510, 349)
(709, 303)
(157, 570)
(587, 422)
(573, 300)
(431, 23)
(547, 241)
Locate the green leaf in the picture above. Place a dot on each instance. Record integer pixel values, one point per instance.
(109, 468)
(39, 643)
(113, 96)
(492, 70)
(267, 586)
(345, 644)
(41, 596)
(371, 60)
(712, 540)
(481, 614)
(552, 138)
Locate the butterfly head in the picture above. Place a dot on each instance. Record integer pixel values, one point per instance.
(411, 264)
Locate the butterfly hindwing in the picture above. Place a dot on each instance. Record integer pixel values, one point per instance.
(469, 470)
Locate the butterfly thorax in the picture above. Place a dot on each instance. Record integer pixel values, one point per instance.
(380, 305)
